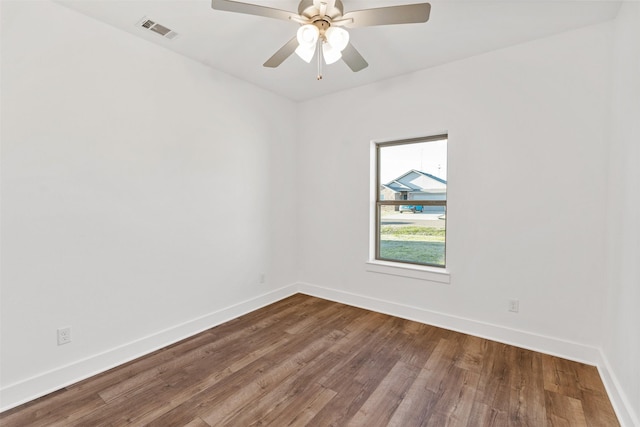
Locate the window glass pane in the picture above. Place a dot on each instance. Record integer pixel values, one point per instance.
(415, 172)
(412, 235)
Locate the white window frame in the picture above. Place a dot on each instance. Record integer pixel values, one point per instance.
(398, 268)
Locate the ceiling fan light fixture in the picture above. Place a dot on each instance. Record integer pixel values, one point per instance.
(305, 53)
(337, 37)
(330, 53)
(308, 35)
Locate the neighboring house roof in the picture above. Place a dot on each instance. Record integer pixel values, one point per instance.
(397, 186)
(415, 180)
(421, 173)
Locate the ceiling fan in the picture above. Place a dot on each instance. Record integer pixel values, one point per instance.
(321, 31)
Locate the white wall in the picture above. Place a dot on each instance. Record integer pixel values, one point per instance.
(121, 212)
(527, 186)
(621, 335)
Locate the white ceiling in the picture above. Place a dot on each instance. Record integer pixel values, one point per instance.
(239, 44)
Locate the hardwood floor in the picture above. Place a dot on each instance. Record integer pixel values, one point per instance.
(307, 361)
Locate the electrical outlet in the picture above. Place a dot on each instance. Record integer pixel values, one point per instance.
(514, 305)
(64, 335)
(263, 277)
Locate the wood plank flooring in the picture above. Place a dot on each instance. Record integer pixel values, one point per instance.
(307, 361)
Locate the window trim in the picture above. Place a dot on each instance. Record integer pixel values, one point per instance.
(414, 271)
(377, 264)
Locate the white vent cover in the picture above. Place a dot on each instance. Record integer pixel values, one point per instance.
(151, 25)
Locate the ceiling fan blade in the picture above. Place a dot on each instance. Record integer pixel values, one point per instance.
(407, 14)
(353, 59)
(252, 9)
(283, 53)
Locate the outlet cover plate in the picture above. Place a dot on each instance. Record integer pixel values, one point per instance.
(64, 335)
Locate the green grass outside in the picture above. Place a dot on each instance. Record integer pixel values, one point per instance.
(417, 252)
(423, 245)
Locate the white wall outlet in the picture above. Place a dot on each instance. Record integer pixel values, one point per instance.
(514, 305)
(263, 277)
(64, 335)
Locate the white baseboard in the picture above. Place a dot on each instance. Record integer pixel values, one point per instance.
(621, 404)
(31, 388)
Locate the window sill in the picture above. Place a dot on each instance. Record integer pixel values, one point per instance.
(431, 274)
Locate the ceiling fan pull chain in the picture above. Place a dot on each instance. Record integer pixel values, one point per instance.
(319, 60)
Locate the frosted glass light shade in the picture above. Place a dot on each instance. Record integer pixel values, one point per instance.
(330, 53)
(306, 53)
(308, 35)
(337, 37)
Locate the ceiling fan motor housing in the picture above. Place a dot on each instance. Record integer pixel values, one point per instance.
(322, 25)
(307, 9)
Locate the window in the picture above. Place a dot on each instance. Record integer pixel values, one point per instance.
(411, 201)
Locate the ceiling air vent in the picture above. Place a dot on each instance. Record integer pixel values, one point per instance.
(151, 25)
